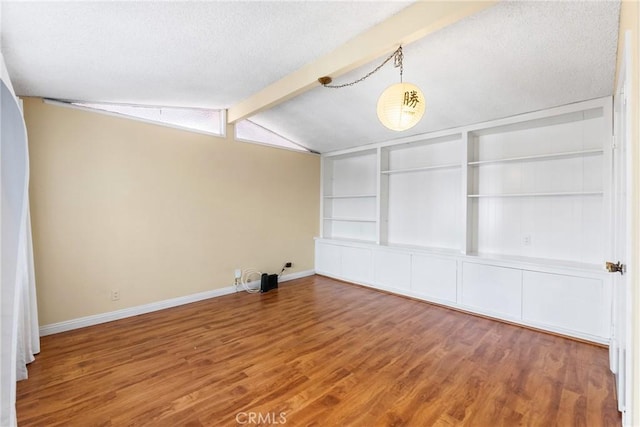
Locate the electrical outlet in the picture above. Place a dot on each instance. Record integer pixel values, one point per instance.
(237, 273)
(526, 240)
(115, 294)
(288, 265)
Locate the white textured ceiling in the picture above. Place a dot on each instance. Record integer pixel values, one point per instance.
(207, 54)
(512, 58)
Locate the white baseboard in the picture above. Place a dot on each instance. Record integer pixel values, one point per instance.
(96, 319)
(298, 275)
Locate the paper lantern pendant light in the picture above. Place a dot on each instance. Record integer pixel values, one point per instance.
(401, 106)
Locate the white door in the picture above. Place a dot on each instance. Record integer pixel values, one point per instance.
(620, 348)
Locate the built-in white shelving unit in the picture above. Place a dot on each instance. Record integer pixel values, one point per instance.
(507, 218)
(536, 187)
(350, 195)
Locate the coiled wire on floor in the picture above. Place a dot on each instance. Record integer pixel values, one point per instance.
(247, 279)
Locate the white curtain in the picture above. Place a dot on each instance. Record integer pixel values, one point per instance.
(28, 336)
(19, 337)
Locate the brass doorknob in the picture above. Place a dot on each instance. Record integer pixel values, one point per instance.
(615, 267)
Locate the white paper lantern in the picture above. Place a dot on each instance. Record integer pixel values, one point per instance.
(401, 106)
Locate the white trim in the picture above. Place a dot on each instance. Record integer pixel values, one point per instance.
(344, 219)
(281, 147)
(567, 268)
(298, 275)
(420, 169)
(353, 196)
(96, 319)
(539, 157)
(567, 193)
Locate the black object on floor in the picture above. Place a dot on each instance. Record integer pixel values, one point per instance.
(268, 282)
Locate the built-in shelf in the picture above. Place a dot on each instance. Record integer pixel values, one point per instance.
(569, 193)
(512, 222)
(349, 219)
(420, 169)
(566, 154)
(474, 256)
(557, 263)
(352, 196)
(346, 240)
(455, 192)
(420, 249)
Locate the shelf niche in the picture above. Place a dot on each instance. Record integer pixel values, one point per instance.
(536, 188)
(349, 184)
(423, 180)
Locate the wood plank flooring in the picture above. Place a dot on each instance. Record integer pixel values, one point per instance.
(316, 352)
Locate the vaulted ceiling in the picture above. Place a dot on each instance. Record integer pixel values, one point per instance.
(501, 60)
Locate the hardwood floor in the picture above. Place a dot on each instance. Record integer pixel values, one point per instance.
(315, 352)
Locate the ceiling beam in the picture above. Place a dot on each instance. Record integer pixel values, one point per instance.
(410, 24)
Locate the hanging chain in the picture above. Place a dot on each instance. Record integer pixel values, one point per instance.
(397, 62)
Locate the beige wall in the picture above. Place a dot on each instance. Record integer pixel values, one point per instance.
(157, 212)
(630, 20)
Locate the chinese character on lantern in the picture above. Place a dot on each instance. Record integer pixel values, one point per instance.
(411, 98)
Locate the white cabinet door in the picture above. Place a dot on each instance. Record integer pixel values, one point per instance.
(434, 277)
(357, 264)
(492, 289)
(562, 303)
(392, 270)
(328, 259)
(574, 303)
